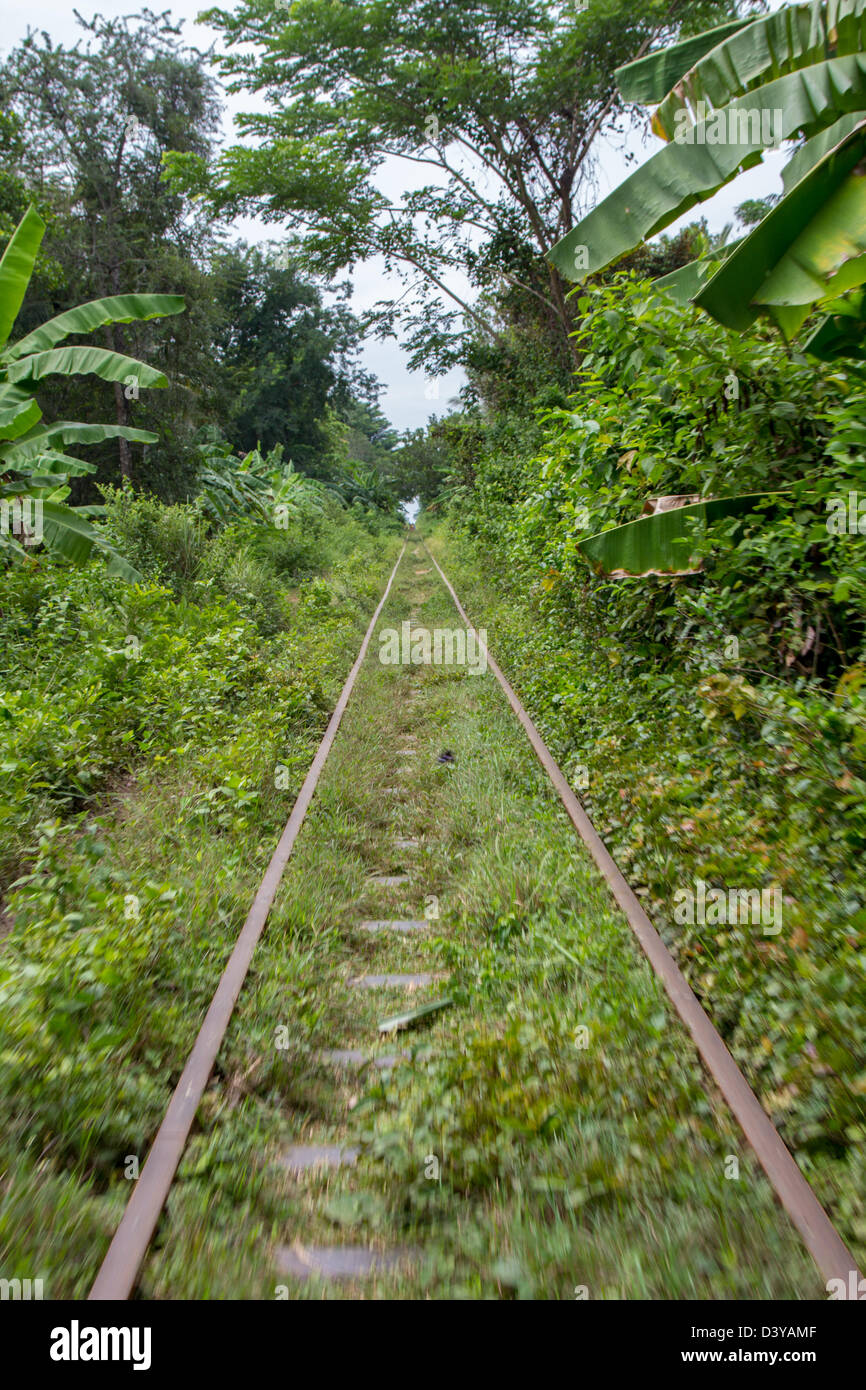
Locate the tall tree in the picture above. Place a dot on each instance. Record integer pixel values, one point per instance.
(283, 356)
(502, 100)
(99, 117)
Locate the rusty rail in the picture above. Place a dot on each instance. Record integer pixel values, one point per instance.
(820, 1237)
(117, 1274)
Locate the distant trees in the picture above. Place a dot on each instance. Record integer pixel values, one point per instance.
(83, 132)
(500, 101)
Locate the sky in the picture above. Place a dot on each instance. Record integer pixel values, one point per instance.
(408, 398)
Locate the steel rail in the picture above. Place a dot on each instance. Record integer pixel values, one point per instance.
(118, 1271)
(820, 1237)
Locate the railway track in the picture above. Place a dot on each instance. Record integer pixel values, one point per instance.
(392, 1003)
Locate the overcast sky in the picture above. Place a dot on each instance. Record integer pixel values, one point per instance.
(408, 398)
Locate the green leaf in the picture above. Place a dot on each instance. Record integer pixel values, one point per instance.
(16, 267)
(19, 412)
(71, 536)
(79, 361)
(806, 249)
(687, 280)
(688, 172)
(71, 432)
(797, 36)
(121, 308)
(659, 544)
(650, 78)
(807, 156)
(51, 461)
(843, 332)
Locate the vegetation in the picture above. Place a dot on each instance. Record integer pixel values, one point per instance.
(651, 493)
(34, 466)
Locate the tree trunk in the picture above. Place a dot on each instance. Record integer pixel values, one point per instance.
(122, 413)
(121, 410)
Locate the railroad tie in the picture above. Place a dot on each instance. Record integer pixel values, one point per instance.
(353, 1058)
(300, 1158)
(393, 981)
(338, 1262)
(401, 924)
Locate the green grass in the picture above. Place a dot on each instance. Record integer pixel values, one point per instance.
(561, 1167)
(726, 800)
(132, 890)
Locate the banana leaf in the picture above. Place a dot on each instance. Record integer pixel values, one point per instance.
(683, 174)
(75, 361)
(687, 280)
(809, 247)
(31, 485)
(71, 536)
(807, 156)
(19, 412)
(16, 267)
(121, 308)
(648, 79)
(71, 432)
(52, 462)
(797, 36)
(659, 544)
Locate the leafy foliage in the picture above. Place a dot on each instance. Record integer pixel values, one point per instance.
(803, 66)
(718, 717)
(32, 466)
(501, 100)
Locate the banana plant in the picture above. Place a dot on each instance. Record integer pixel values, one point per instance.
(34, 463)
(797, 74)
(230, 487)
(356, 482)
(255, 486)
(725, 98)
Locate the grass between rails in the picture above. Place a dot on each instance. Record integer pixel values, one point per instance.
(128, 908)
(510, 1158)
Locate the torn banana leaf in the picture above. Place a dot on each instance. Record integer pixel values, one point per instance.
(811, 246)
(794, 37)
(685, 173)
(659, 544)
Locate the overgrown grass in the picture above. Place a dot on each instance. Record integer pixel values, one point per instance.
(99, 678)
(515, 1154)
(561, 1167)
(144, 797)
(684, 788)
